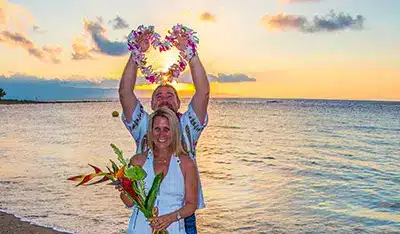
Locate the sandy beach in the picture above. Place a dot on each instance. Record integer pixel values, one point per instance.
(10, 224)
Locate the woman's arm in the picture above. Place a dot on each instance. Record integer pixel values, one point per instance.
(191, 187)
(191, 179)
(126, 200)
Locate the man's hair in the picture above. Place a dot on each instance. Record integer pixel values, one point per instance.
(166, 85)
(174, 128)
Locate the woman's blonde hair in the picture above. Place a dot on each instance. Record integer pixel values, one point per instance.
(174, 128)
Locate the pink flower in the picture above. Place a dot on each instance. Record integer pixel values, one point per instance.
(176, 74)
(182, 65)
(151, 78)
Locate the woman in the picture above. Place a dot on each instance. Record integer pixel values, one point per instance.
(178, 194)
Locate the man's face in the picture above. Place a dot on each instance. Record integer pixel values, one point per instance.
(165, 97)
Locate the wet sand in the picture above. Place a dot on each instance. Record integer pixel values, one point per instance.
(9, 224)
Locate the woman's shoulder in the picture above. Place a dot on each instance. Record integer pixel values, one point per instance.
(138, 159)
(186, 161)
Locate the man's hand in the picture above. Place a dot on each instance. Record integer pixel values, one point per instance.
(143, 42)
(181, 43)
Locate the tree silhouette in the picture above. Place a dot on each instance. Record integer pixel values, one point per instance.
(2, 93)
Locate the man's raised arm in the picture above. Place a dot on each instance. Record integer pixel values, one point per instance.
(126, 85)
(202, 86)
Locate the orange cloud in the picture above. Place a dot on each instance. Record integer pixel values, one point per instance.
(206, 16)
(46, 53)
(2, 11)
(282, 21)
(80, 50)
(15, 16)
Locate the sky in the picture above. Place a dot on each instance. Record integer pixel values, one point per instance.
(317, 49)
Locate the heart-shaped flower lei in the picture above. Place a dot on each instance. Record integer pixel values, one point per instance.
(155, 40)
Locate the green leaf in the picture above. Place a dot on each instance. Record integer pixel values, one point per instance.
(142, 190)
(140, 194)
(147, 213)
(135, 173)
(119, 153)
(151, 197)
(114, 166)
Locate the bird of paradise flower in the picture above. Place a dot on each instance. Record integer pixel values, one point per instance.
(131, 179)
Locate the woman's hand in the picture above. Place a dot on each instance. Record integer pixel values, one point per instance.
(126, 200)
(162, 222)
(119, 188)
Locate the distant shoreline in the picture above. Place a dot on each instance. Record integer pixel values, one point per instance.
(15, 101)
(11, 224)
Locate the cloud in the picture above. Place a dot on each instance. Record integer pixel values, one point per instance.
(103, 44)
(220, 78)
(15, 16)
(206, 16)
(20, 86)
(230, 78)
(53, 52)
(336, 21)
(37, 29)
(119, 23)
(80, 50)
(2, 11)
(331, 22)
(46, 53)
(281, 21)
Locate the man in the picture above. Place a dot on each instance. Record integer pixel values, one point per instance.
(192, 122)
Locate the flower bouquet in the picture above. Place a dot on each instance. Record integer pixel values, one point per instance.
(131, 179)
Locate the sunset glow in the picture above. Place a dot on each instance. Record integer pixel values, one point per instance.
(267, 49)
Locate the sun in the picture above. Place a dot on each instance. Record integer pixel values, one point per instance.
(169, 58)
(162, 62)
(183, 87)
(180, 87)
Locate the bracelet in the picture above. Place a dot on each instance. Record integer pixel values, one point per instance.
(178, 216)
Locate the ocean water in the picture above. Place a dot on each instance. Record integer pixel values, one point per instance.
(267, 166)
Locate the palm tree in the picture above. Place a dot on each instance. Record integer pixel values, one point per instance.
(2, 93)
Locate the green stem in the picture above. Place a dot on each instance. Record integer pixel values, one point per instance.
(147, 213)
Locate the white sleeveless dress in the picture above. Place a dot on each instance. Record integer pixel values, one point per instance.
(169, 199)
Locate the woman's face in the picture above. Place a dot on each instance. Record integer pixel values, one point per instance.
(161, 133)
